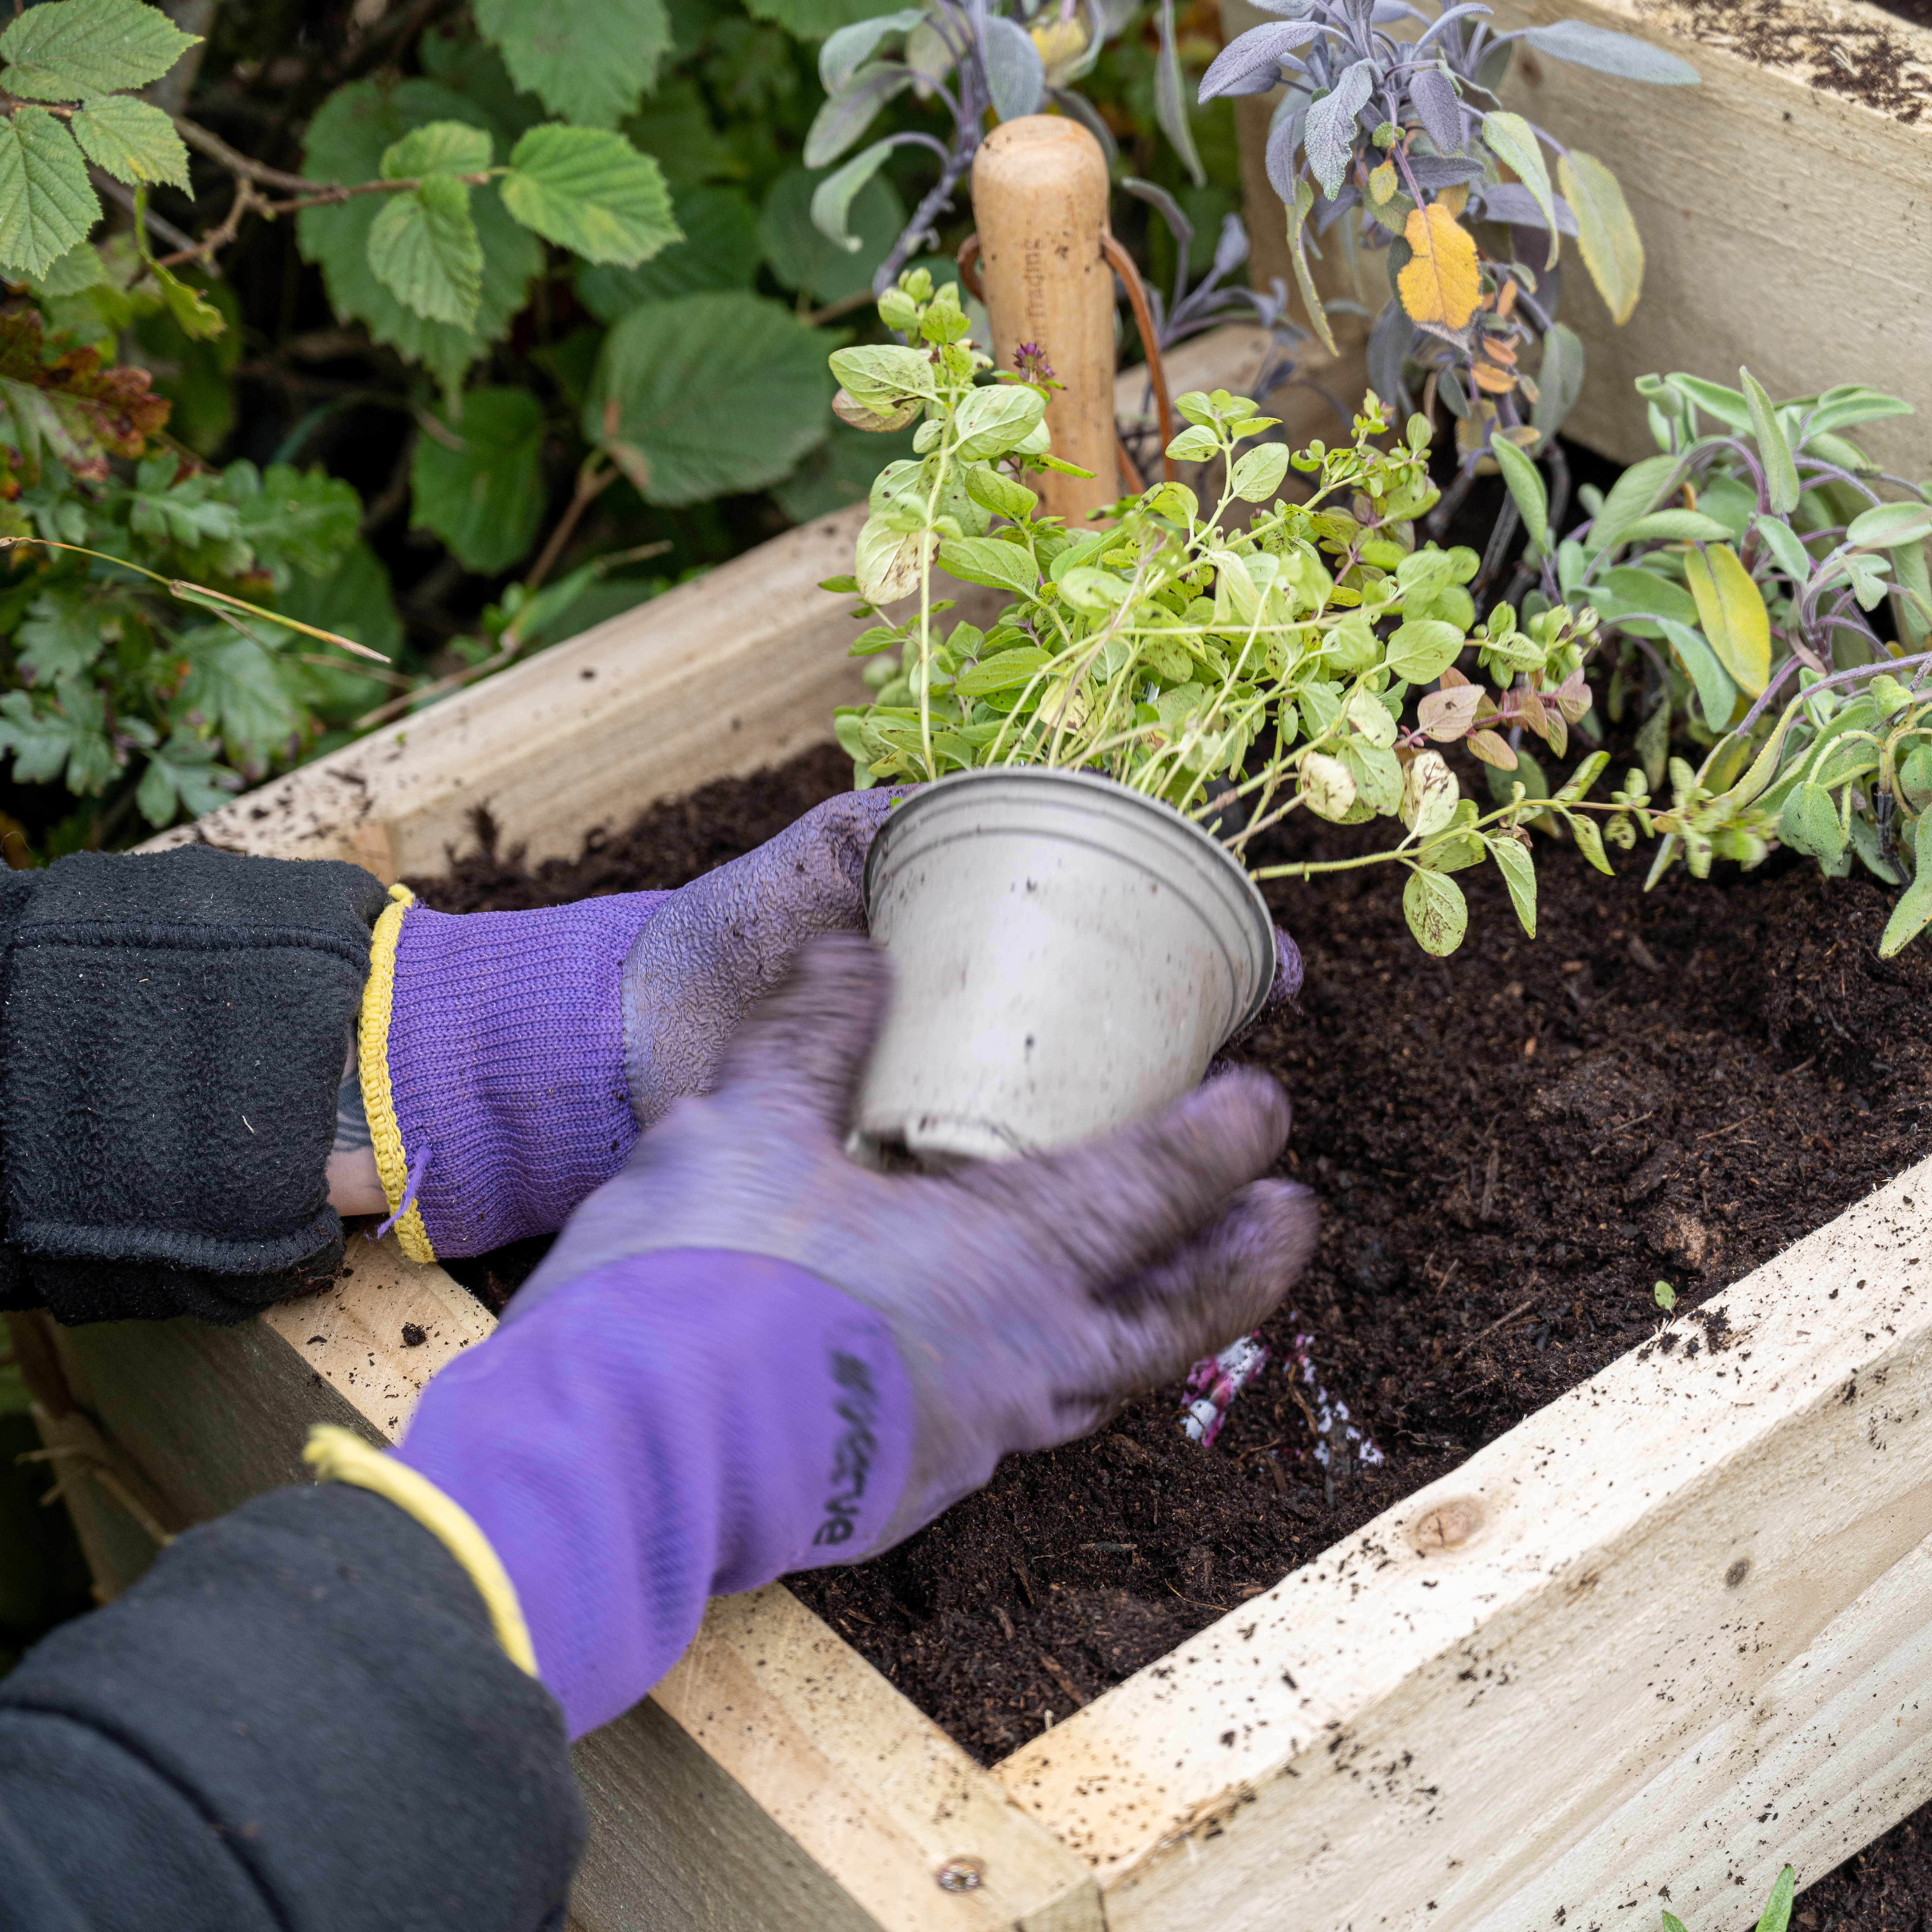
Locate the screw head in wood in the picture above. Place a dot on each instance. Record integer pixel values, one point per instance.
(961, 1875)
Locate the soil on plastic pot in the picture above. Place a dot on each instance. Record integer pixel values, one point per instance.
(1511, 1147)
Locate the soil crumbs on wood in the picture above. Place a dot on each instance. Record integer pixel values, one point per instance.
(1511, 1146)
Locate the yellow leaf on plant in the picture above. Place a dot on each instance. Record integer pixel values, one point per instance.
(1493, 749)
(1455, 199)
(1613, 249)
(1497, 382)
(1730, 607)
(1381, 183)
(1441, 283)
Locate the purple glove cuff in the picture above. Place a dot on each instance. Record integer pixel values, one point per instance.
(751, 1420)
(505, 1053)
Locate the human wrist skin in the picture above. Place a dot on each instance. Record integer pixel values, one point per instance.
(669, 1427)
(491, 1059)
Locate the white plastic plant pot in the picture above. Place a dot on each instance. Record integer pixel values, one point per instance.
(1068, 955)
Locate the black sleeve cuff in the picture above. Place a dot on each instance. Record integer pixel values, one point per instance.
(173, 1031)
(299, 1718)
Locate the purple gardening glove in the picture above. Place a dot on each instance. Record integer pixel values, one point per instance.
(747, 1355)
(526, 1050)
(725, 941)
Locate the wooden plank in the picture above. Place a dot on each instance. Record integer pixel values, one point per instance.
(1817, 275)
(1660, 1592)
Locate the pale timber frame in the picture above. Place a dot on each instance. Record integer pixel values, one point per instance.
(1787, 221)
(1667, 1633)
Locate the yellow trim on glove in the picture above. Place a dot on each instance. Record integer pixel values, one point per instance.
(339, 1455)
(372, 1060)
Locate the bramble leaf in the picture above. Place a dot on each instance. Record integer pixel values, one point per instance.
(46, 204)
(76, 50)
(1613, 249)
(1442, 282)
(423, 246)
(132, 141)
(1437, 913)
(672, 371)
(591, 192)
(485, 498)
(587, 61)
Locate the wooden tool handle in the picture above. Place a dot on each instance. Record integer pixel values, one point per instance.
(1039, 203)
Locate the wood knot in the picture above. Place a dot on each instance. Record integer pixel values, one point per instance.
(1448, 1525)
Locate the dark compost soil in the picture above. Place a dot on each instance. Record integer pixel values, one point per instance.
(1511, 1146)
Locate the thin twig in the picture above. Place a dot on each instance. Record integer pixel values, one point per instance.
(1515, 1314)
(591, 483)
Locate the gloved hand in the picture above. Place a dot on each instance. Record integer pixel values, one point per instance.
(747, 1355)
(522, 1052)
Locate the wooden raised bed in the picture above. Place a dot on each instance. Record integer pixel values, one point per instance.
(1788, 225)
(1666, 1633)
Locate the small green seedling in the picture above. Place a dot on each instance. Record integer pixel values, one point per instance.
(1666, 1296)
(1776, 1916)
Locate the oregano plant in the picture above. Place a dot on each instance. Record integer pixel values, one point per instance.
(1234, 649)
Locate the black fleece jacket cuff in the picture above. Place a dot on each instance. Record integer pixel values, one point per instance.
(173, 1031)
(297, 1721)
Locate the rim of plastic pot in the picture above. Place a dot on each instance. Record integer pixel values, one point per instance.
(1116, 794)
